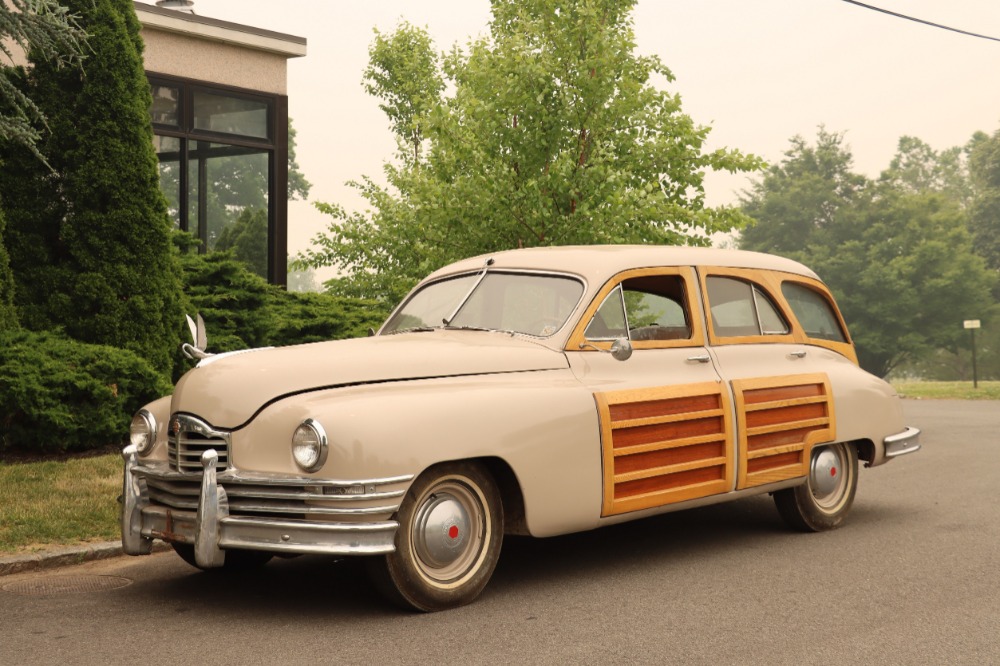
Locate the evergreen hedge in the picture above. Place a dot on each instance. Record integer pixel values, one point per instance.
(58, 394)
(241, 310)
(8, 316)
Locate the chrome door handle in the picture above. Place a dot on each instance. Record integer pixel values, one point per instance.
(797, 354)
(699, 359)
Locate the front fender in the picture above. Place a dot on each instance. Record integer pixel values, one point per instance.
(542, 424)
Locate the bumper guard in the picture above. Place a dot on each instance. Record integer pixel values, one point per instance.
(213, 530)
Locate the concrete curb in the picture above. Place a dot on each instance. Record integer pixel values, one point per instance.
(65, 556)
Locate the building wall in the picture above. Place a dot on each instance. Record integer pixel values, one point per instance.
(225, 64)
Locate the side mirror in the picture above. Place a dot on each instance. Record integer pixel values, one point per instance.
(621, 349)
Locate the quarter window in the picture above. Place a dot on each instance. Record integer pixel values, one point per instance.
(741, 308)
(814, 312)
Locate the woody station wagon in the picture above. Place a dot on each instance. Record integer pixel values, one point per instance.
(538, 392)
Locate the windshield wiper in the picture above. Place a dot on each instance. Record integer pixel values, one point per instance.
(413, 329)
(482, 274)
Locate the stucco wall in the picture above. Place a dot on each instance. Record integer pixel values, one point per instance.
(179, 55)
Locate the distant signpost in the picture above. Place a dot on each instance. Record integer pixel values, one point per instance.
(972, 325)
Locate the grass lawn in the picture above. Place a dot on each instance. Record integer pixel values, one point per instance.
(949, 390)
(59, 502)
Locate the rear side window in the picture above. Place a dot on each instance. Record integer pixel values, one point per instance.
(814, 312)
(740, 308)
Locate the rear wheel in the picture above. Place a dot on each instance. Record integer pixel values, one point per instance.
(448, 541)
(823, 501)
(236, 560)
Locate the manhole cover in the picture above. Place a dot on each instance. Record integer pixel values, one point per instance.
(51, 585)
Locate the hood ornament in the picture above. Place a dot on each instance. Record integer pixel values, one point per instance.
(198, 337)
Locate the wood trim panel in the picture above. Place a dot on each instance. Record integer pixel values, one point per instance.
(779, 420)
(664, 444)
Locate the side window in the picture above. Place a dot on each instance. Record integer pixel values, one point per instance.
(814, 312)
(643, 309)
(740, 308)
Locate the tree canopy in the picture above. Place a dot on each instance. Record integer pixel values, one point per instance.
(551, 130)
(897, 253)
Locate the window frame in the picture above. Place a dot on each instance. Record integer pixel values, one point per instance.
(579, 342)
(276, 148)
(758, 279)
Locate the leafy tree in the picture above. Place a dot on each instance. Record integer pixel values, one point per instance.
(89, 241)
(549, 131)
(984, 216)
(49, 32)
(900, 262)
(917, 168)
(247, 238)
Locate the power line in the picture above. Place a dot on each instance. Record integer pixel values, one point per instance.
(930, 23)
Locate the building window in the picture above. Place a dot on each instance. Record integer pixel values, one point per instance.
(224, 168)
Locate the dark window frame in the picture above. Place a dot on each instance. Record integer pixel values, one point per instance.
(276, 148)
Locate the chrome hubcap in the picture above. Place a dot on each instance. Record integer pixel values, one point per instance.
(827, 472)
(441, 530)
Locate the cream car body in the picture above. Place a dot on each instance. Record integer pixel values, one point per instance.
(425, 429)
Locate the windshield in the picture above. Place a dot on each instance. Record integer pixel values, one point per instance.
(527, 303)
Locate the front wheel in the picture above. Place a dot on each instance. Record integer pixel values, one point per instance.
(448, 541)
(823, 501)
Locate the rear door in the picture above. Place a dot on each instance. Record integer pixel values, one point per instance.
(781, 388)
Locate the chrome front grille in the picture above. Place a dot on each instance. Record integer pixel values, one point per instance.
(188, 438)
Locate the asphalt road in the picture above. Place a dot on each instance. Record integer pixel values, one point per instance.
(913, 578)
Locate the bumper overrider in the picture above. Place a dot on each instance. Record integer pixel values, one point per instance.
(216, 511)
(902, 443)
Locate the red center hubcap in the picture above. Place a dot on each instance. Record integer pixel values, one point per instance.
(453, 531)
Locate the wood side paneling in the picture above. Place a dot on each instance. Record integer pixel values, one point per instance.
(664, 444)
(779, 421)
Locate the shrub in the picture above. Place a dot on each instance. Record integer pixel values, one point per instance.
(57, 394)
(241, 310)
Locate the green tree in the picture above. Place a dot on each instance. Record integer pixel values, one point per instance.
(900, 262)
(8, 315)
(89, 241)
(984, 216)
(549, 131)
(50, 33)
(247, 239)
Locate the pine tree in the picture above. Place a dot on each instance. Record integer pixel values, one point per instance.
(89, 241)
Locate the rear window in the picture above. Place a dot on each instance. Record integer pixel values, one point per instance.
(814, 312)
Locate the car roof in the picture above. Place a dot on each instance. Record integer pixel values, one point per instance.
(598, 262)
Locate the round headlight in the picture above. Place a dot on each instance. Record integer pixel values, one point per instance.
(309, 445)
(142, 431)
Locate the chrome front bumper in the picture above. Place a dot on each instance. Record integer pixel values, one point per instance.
(212, 529)
(902, 443)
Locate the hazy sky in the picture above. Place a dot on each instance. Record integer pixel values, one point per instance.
(756, 71)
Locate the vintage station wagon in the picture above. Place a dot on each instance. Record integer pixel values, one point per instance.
(539, 392)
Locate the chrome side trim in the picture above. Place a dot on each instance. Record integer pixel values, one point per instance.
(902, 443)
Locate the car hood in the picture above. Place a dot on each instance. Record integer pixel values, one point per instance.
(227, 391)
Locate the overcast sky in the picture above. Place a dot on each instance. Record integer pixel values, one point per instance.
(756, 71)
